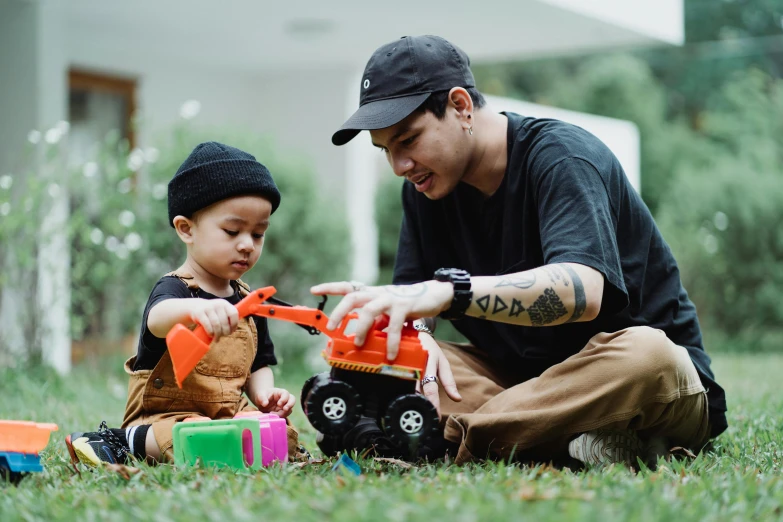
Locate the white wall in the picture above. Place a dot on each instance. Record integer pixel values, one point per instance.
(662, 19)
(299, 110)
(621, 136)
(303, 109)
(32, 96)
(18, 91)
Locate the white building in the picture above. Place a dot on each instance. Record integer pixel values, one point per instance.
(290, 69)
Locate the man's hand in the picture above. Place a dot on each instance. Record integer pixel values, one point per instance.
(275, 400)
(400, 302)
(217, 316)
(438, 365)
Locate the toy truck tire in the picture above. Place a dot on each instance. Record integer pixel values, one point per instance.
(13, 477)
(322, 377)
(410, 419)
(332, 406)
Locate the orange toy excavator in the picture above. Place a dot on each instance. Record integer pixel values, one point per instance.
(362, 379)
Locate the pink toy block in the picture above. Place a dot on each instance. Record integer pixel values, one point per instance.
(274, 437)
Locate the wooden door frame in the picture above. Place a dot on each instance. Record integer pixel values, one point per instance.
(81, 79)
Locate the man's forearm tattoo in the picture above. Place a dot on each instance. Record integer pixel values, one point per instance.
(500, 305)
(556, 274)
(547, 308)
(523, 281)
(553, 275)
(408, 291)
(580, 300)
(516, 308)
(560, 270)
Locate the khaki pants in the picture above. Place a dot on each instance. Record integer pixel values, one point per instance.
(632, 379)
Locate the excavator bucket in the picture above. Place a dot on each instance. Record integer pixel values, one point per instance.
(187, 347)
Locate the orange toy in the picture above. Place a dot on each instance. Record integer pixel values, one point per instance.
(24, 436)
(187, 347)
(362, 380)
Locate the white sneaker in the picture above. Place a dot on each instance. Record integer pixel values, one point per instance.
(606, 446)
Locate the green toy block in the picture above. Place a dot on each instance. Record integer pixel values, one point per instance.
(233, 443)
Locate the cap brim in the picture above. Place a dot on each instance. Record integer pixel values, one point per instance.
(378, 115)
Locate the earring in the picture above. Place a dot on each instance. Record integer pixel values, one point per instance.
(470, 130)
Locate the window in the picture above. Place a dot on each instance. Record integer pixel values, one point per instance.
(97, 105)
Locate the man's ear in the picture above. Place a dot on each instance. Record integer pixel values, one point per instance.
(461, 102)
(184, 228)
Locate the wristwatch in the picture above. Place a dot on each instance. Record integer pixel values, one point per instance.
(463, 295)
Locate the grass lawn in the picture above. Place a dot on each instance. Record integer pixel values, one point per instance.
(739, 481)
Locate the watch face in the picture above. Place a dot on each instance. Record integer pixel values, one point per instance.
(450, 274)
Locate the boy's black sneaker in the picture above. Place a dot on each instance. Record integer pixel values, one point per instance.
(93, 447)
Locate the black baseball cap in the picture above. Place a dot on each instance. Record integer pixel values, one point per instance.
(399, 77)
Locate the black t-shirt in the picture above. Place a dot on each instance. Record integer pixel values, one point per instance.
(564, 199)
(151, 348)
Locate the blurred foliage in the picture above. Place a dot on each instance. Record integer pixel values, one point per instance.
(121, 241)
(388, 217)
(724, 220)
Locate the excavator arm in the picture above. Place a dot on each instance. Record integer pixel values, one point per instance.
(301, 315)
(187, 347)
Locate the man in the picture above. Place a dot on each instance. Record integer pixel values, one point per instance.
(528, 236)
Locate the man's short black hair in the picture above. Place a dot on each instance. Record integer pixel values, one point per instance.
(438, 101)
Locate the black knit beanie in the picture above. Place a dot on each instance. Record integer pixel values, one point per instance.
(214, 172)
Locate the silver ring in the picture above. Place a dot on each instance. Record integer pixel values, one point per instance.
(428, 379)
(357, 286)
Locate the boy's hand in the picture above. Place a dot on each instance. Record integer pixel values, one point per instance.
(275, 400)
(217, 316)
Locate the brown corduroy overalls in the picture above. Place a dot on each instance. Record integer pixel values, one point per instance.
(214, 389)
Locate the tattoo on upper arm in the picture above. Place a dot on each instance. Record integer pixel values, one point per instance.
(408, 291)
(522, 281)
(580, 300)
(547, 308)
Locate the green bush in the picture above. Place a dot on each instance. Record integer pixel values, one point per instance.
(388, 216)
(725, 231)
(724, 221)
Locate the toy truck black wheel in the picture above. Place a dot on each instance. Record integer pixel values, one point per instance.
(14, 477)
(410, 420)
(333, 407)
(309, 383)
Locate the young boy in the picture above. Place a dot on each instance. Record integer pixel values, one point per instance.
(220, 201)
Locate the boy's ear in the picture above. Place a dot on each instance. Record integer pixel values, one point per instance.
(184, 228)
